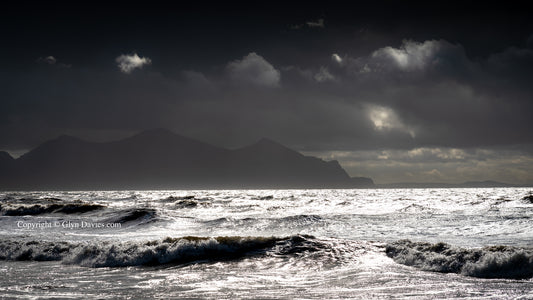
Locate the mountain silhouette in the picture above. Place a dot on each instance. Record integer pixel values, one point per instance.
(272, 164)
(6, 161)
(159, 158)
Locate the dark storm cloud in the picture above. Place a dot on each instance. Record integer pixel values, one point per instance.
(410, 77)
(444, 98)
(416, 94)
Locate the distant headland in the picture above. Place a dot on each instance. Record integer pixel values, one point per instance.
(161, 159)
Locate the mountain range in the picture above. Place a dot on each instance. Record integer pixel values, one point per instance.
(161, 159)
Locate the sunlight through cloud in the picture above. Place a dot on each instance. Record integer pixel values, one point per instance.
(385, 118)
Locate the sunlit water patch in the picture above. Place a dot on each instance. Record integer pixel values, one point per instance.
(318, 244)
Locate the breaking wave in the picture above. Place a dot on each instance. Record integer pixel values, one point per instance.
(489, 262)
(14, 209)
(158, 252)
(141, 215)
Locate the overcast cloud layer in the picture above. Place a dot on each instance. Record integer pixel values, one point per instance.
(393, 105)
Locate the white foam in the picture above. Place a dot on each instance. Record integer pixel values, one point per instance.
(488, 262)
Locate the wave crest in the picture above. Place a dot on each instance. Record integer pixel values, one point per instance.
(157, 252)
(11, 209)
(489, 262)
(141, 215)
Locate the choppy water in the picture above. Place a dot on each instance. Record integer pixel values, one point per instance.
(290, 244)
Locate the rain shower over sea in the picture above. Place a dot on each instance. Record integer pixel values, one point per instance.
(270, 244)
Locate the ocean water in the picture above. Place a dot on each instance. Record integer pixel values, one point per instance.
(268, 244)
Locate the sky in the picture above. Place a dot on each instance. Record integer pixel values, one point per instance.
(399, 91)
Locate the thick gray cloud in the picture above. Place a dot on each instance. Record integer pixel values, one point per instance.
(444, 98)
(409, 93)
(323, 75)
(419, 56)
(416, 95)
(253, 69)
(417, 111)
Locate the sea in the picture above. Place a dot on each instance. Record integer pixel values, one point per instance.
(464, 243)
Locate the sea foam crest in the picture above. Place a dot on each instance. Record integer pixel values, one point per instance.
(15, 209)
(488, 262)
(157, 252)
